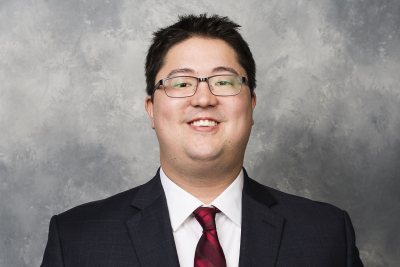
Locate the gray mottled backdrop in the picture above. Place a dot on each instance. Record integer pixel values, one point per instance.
(73, 126)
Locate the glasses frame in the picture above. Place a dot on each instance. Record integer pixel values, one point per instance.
(160, 84)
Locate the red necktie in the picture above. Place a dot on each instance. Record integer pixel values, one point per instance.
(208, 251)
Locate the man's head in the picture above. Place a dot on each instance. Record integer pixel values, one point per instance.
(214, 27)
(202, 122)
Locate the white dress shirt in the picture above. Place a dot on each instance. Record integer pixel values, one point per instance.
(187, 230)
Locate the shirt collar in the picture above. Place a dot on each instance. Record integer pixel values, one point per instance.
(181, 204)
(229, 202)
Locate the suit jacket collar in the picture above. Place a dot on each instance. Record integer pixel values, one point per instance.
(152, 237)
(150, 228)
(261, 227)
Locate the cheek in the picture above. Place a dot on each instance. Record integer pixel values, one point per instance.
(240, 122)
(166, 114)
(241, 111)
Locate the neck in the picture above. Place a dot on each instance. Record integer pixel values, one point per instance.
(205, 184)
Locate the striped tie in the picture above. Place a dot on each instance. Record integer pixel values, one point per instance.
(208, 251)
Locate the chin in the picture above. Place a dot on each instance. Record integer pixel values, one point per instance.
(205, 157)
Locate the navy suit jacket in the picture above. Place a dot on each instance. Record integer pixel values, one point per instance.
(133, 229)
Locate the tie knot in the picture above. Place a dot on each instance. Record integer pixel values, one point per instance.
(206, 217)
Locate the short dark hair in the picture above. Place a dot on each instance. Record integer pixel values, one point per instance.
(198, 25)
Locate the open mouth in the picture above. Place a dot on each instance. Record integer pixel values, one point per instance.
(204, 123)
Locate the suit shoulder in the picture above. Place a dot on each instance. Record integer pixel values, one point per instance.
(115, 206)
(290, 204)
(290, 199)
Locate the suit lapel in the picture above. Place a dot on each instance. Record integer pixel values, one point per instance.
(261, 228)
(150, 228)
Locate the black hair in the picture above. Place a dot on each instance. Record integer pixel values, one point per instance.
(197, 25)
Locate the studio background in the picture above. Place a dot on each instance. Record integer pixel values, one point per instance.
(73, 126)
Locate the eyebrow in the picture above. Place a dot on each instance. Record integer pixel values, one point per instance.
(191, 71)
(180, 71)
(228, 69)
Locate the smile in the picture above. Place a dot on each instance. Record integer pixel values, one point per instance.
(204, 123)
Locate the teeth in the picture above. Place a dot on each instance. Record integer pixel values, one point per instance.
(204, 123)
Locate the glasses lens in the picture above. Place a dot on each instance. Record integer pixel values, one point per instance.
(225, 85)
(180, 86)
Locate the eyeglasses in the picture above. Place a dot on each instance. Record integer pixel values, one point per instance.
(185, 86)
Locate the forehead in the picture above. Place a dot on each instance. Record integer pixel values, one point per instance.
(201, 55)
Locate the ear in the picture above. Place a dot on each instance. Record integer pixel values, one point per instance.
(253, 101)
(253, 104)
(148, 104)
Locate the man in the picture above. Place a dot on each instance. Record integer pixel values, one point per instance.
(201, 208)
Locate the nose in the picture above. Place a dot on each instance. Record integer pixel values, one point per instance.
(203, 96)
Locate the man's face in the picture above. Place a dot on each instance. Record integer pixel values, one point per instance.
(203, 128)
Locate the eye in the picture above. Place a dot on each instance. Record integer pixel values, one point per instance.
(181, 85)
(222, 83)
(181, 82)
